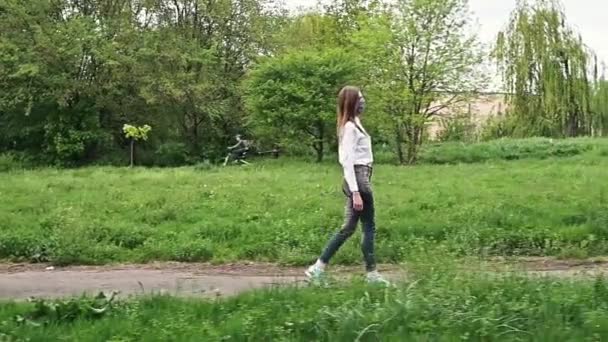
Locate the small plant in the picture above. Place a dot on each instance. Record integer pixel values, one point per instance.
(135, 134)
(65, 311)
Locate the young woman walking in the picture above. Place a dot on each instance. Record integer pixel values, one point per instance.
(355, 154)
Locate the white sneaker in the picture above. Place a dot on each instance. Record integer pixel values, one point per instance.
(374, 277)
(314, 272)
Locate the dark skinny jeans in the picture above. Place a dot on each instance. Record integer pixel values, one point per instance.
(352, 217)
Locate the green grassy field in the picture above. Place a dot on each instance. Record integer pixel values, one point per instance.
(545, 203)
(532, 197)
(437, 306)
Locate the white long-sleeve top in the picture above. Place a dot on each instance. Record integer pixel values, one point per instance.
(355, 149)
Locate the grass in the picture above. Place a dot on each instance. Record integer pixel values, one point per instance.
(501, 150)
(284, 211)
(473, 203)
(510, 149)
(437, 306)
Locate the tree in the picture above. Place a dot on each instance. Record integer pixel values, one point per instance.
(197, 62)
(422, 60)
(71, 72)
(309, 31)
(48, 78)
(184, 80)
(134, 133)
(295, 95)
(545, 67)
(599, 106)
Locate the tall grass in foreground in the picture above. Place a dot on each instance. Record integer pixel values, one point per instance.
(437, 306)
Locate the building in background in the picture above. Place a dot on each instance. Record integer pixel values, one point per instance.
(478, 110)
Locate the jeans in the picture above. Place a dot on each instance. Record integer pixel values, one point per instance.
(352, 217)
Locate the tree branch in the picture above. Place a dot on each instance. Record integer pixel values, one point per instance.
(432, 110)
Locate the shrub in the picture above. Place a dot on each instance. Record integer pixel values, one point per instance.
(9, 162)
(171, 154)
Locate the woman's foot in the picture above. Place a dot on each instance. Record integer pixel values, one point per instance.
(315, 271)
(374, 277)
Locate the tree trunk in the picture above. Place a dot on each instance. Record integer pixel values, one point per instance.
(132, 153)
(319, 149)
(318, 145)
(398, 144)
(415, 140)
(411, 153)
(572, 129)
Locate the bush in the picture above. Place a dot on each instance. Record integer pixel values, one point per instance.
(458, 128)
(171, 154)
(496, 128)
(116, 157)
(8, 162)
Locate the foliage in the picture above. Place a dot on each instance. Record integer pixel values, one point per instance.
(496, 198)
(44, 312)
(172, 154)
(70, 70)
(546, 67)
(599, 106)
(457, 128)
(9, 162)
(136, 133)
(435, 304)
(295, 95)
(423, 61)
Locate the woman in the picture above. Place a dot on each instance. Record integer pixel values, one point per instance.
(355, 154)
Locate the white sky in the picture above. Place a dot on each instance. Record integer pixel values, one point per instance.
(588, 17)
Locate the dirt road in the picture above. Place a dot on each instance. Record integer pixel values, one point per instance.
(22, 281)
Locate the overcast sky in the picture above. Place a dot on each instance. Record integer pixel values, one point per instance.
(589, 17)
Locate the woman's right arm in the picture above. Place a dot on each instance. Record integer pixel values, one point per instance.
(348, 144)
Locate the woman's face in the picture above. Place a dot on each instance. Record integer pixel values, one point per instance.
(360, 104)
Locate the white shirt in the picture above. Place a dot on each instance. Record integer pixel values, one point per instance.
(355, 149)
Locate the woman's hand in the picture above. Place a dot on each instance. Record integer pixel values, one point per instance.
(357, 201)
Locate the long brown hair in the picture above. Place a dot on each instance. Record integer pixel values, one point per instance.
(347, 106)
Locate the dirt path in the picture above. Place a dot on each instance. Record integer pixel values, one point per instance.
(22, 281)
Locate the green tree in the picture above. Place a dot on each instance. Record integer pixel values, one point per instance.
(54, 74)
(307, 31)
(207, 48)
(295, 95)
(545, 68)
(599, 106)
(134, 133)
(71, 72)
(421, 59)
(48, 79)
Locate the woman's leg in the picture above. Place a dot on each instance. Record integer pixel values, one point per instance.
(351, 218)
(368, 221)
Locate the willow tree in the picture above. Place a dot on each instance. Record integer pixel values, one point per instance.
(599, 105)
(545, 68)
